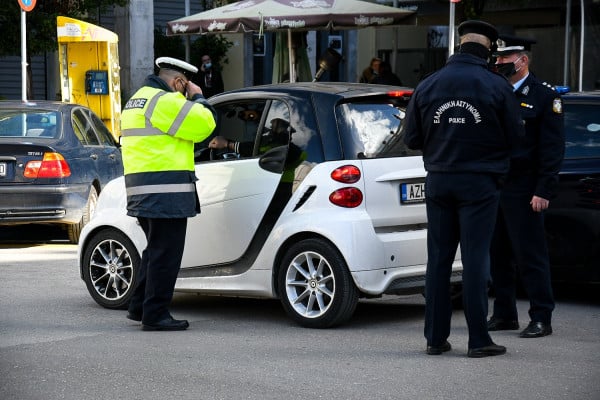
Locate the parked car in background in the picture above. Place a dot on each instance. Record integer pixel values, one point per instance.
(55, 158)
(322, 204)
(573, 218)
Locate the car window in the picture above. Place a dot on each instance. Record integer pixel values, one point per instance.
(83, 129)
(373, 129)
(582, 131)
(32, 123)
(239, 121)
(103, 133)
(276, 130)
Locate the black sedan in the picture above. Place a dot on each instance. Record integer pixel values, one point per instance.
(573, 219)
(55, 158)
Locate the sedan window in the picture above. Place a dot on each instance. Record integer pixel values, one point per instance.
(34, 123)
(83, 129)
(582, 131)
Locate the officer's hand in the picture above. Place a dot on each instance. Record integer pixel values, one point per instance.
(192, 89)
(539, 204)
(218, 142)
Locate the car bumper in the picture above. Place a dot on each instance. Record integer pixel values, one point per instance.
(42, 203)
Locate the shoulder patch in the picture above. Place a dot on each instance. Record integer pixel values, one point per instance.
(557, 105)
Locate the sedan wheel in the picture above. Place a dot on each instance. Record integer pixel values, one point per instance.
(74, 230)
(110, 265)
(315, 286)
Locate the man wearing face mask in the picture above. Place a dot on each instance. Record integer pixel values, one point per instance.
(211, 80)
(160, 124)
(519, 241)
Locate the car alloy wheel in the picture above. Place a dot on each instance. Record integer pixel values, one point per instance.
(110, 264)
(315, 286)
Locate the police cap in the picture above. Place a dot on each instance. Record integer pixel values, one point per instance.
(479, 27)
(177, 65)
(508, 44)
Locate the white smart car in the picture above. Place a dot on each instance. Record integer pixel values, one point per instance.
(321, 205)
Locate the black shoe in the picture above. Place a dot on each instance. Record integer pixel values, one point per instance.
(498, 324)
(437, 350)
(134, 316)
(536, 329)
(487, 351)
(167, 324)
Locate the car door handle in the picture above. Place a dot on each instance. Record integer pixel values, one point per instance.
(94, 156)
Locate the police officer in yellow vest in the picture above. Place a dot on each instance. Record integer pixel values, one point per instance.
(160, 124)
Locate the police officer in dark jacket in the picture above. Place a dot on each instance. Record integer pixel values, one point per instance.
(519, 238)
(465, 119)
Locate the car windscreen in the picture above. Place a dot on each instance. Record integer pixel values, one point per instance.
(373, 129)
(582, 131)
(29, 123)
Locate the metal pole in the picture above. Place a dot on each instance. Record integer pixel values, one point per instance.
(23, 58)
(581, 46)
(567, 45)
(291, 57)
(186, 38)
(451, 30)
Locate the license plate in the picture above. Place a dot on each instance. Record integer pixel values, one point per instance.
(2, 169)
(412, 192)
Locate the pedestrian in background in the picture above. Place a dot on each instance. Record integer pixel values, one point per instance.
(211, 81)
(519, 238)
(160, 124)
(466, 121)
(371, 71)
(386, 76)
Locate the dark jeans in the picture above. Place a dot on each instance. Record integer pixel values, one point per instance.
(161, 261)
(461, 208)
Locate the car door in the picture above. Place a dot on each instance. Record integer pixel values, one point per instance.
(236, 191)
(99, 157)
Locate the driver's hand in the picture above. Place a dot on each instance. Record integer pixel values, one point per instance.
(218, 142)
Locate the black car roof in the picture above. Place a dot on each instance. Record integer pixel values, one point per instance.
(342, 89)
(585, 95)
(44, 104)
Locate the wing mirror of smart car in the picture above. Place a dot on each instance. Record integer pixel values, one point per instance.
(274, 159)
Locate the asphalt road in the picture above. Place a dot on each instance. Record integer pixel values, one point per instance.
(56, 343)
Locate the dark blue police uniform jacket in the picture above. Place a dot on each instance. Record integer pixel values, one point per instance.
(466, 120)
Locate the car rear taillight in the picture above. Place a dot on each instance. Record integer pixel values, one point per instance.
(53, 165)
(400, 93)
(346, 174)
(348, 197)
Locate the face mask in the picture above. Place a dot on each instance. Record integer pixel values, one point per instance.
(207, 65)
(507, 69)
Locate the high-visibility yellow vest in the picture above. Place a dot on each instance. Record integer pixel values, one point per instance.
(159, 129)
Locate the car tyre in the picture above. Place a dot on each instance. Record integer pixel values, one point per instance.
(74, 230)
(110, 267)
(315, 286)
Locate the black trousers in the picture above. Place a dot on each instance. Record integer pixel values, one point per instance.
(161, 261)
(520, 244)
(461, 208)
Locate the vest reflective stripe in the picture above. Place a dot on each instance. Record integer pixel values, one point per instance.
(180, 118)
(166, 188)
(142, 132)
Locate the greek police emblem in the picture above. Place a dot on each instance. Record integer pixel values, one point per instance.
(557, 106)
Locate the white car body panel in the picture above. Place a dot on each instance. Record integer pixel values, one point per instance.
(381, 240)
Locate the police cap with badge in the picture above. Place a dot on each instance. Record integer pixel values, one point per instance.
(508, 44)
(174, 64)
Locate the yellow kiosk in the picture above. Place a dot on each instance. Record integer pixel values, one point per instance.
(89, 69)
